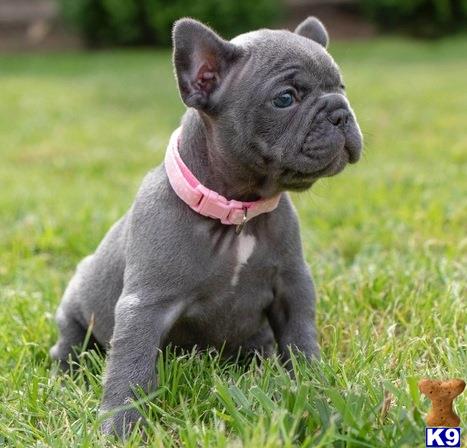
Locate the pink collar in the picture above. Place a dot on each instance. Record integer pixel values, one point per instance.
(207, 202)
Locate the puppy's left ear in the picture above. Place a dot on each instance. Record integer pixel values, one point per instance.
(313, 29)
(202, 60)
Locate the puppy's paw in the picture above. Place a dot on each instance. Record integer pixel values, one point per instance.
(61, 360)
(121, 423)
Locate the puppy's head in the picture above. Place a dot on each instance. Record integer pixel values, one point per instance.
(273, 102)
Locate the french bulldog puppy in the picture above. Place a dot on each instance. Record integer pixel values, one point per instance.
(267, 113)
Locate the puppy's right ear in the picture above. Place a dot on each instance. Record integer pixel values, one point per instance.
(313, 29)
(202, 60)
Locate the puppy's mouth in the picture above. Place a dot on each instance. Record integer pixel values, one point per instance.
(299, 179)
(334, 164)
(325, 152)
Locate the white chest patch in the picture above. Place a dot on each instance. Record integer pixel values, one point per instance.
(245, 246)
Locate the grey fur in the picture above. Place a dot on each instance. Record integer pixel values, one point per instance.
(165, 274)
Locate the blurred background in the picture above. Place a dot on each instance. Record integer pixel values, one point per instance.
(64, 24)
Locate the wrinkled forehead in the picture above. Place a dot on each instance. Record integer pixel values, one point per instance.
(276, 51)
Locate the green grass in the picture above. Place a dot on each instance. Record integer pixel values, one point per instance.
(386, 242)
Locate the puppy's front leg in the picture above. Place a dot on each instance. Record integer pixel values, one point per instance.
(292, 314)
(141, 322)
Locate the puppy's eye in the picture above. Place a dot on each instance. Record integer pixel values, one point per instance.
(284, 99)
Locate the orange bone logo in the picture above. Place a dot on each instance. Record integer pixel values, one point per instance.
(442, 394)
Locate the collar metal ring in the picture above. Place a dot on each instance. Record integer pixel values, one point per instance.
(239, 228)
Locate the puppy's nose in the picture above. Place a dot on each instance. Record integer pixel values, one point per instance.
(339, 117)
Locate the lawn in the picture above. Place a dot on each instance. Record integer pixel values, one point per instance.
(386, 242)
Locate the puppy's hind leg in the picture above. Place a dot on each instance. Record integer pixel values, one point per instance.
(72, 337)
(72, 333)
(260, 345)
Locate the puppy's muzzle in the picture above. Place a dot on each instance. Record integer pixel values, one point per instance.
(339, 117)
(334, 109)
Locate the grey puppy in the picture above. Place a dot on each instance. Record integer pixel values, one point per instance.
(267, 113)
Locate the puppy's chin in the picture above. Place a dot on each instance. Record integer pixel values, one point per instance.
(299, 180)
(337, 164)
(297, 186)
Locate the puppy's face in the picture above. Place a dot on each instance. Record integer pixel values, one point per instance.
(275, 102)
